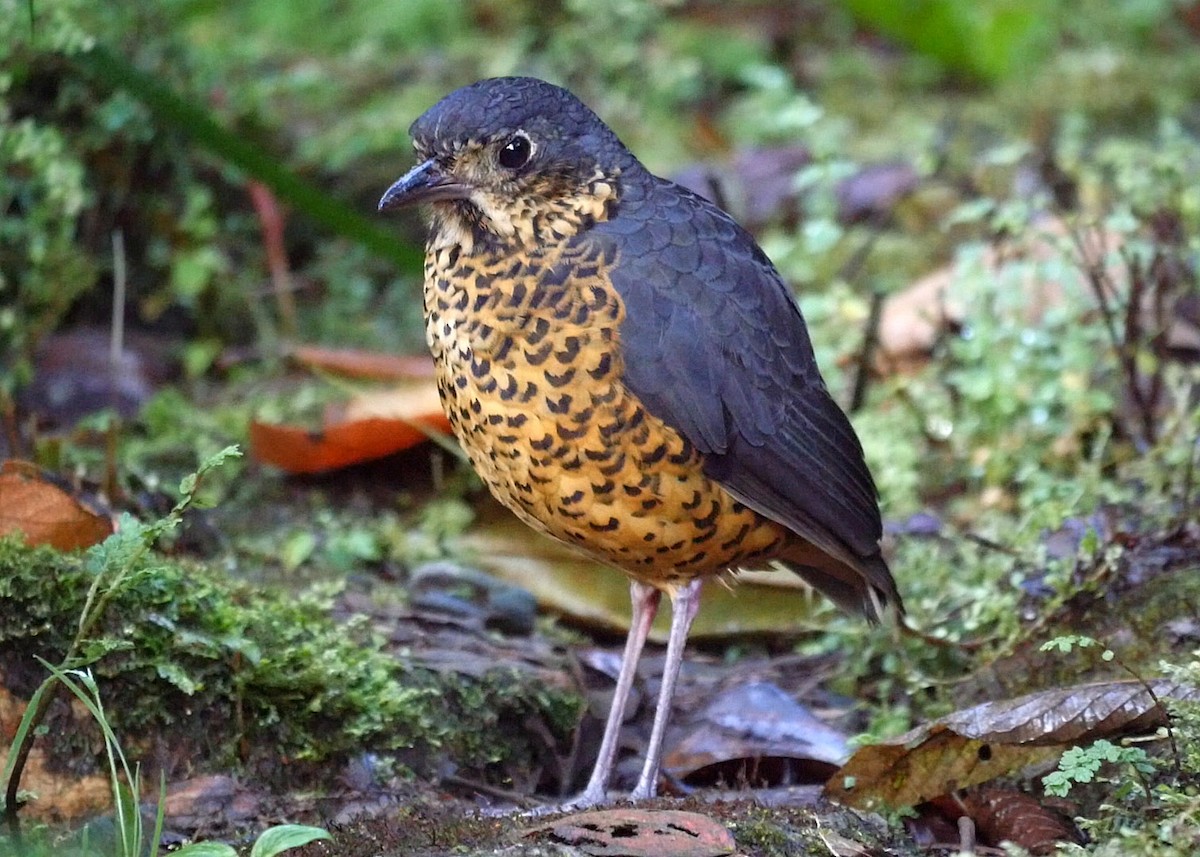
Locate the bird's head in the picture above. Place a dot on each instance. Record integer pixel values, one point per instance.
(511, 161)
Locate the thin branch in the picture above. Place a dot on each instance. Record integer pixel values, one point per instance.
(866, 354)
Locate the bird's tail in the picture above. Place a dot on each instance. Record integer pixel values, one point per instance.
(862, 587)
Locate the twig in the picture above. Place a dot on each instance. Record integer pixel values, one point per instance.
(866, 354)
(8, 413)
(1123, 339)
(1188, 476)
(116, 342)
(490, 790)
(1133, 339)
(966, 835)
(116, 348)
(271, 217)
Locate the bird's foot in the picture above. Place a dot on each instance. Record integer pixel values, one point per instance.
(587, 799)
(643, 792)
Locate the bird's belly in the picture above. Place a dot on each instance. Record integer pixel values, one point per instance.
(536, 400)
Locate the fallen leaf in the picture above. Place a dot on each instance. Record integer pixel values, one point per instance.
(746, 725)
(569, 583)
(359, 363)
(370, 426)
(758, 186)
(76, 374)
(913, 320)
(987, 741)
(45, 514)
(193, 803)
(639, 833)
(1007, 815)
(840, 846)
(874, 191)
(415, 398)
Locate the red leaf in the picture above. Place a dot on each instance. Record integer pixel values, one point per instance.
(640, 833)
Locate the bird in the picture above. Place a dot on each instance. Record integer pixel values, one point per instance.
(628, 373)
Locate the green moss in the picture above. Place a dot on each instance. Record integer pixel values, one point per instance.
(184, 651)
(779, 831)
(761, 831)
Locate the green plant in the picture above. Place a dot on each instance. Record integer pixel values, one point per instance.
(127, 787)
(290, 681)
(1082, 764)
(111, 564)
(988, 40)
(104, 129)
(272, 841)
(126, 782)
(41, 273)
(1147, 802)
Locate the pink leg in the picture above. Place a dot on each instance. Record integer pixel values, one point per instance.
(645, 605)
(684, 604)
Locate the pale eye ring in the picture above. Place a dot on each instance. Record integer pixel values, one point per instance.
(516, 151)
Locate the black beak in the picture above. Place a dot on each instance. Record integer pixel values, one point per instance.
(423, 183)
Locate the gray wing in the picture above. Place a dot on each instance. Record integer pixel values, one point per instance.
(714, 345)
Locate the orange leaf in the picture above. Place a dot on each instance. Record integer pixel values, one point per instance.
(370, 426)
(44, 513)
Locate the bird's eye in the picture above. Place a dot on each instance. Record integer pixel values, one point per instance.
(516, 152)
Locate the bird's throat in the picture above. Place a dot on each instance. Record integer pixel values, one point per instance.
(507, 223)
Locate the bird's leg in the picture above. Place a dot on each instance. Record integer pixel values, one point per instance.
(684, 604)
(645, 606)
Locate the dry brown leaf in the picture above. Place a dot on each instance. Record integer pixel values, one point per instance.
(1007, 815)
(912, 320)
(978, 744)
(749, 723)
(639, 833)
(45, 514)
(76, 374)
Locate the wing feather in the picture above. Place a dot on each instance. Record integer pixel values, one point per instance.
(715, 346)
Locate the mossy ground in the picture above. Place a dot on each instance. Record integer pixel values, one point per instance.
(229, 676)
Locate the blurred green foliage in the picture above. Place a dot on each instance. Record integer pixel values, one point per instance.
(998, 40)
(156, 130)
(991, 39)
(92, 143)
